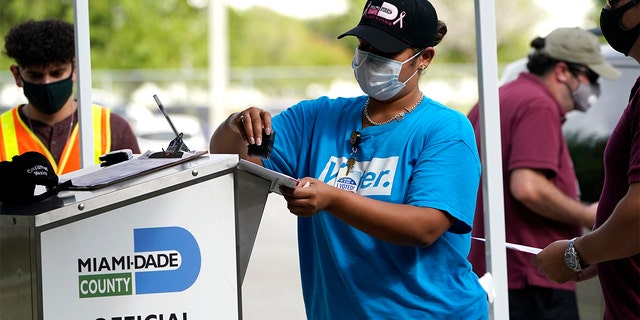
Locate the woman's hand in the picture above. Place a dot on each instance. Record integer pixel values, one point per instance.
(250, 123)
(309, 197)
(400, 224)
(240, 130)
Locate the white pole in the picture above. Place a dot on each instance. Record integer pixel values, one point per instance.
(218, 61)
(492, 155)
(83, 62)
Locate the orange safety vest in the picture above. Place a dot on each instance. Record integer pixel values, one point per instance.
(17, 138)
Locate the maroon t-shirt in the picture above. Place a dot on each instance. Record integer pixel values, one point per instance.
(530, 124)
(620, 279)
(55, 137)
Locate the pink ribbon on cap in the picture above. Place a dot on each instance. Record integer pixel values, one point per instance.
(402, 14)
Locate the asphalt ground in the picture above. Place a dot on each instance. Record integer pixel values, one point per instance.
(271, 287)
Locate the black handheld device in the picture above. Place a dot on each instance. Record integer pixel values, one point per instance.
(263, 150)
(115, 156)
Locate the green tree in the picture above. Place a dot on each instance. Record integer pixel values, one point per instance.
(514, 22)
(261, 37)
(587, 155)
(594, 14)
(147, 33)
(126, 34)
(173, 34)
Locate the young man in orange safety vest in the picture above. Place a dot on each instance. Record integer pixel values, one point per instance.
(45, 68)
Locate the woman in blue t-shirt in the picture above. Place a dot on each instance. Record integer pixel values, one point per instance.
(388, 180)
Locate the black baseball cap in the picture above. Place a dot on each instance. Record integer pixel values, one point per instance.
(19, 177)
(393, 25)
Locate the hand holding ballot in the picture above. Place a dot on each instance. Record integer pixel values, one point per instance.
(551, 263)
(309, 197)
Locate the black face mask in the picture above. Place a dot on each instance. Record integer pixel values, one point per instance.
(620, 38)
(48, 98)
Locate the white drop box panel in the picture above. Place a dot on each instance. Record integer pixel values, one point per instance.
(171, 244)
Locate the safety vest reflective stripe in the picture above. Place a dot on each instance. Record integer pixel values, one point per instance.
(10, 142)
(104, 139)
(67, 152)
(16, 138)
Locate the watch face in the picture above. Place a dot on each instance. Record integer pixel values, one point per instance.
(568, 259)
(571, 258)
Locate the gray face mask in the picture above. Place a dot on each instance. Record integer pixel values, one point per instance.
(585, 96)
(378, 76)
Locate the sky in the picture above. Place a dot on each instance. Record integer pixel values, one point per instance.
(564, 13)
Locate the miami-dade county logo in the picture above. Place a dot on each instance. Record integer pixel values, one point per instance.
(165, 259)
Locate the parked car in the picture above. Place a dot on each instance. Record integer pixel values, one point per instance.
(587, 134)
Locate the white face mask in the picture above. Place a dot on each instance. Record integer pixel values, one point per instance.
(585, 96)
(378, 76)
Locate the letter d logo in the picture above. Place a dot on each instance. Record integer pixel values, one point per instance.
(164, 239)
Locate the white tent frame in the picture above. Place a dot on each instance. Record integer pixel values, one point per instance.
(83, 62)
(489, 115)
(491, 153)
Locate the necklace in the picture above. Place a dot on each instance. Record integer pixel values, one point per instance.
(397, 117)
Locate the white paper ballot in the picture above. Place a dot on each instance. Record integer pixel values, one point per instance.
(489, 287)
(277, 179)
(518, 247)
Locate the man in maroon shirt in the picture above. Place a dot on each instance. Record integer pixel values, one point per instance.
(612, 249)
(541, 197)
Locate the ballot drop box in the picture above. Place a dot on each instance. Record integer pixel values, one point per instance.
(169, 243)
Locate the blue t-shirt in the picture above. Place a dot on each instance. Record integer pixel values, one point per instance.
(429, 159)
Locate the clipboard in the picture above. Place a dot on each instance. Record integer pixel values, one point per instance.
(126, 170)
(277, 179)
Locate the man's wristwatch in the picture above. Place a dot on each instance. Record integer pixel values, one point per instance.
(572, 259)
